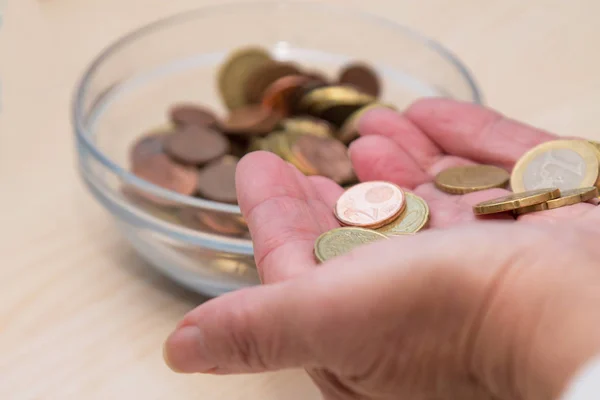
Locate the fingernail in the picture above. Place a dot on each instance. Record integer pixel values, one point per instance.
(184, 351)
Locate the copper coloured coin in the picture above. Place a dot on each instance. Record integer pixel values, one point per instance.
(370, 204)
(146, 147)
(326, 155)
(264, 76)
(280, 94)
(212, 221)
(164, 172)
(196, 146)
(250, 120)
(216, 181)
(362, 77)
(189, 114)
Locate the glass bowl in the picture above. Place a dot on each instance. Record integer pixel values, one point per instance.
(130, 85)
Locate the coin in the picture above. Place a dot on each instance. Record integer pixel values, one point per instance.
(211, 221)
(195, 145)
(262, 77)
(250, 120)
(370, 204)
(189, 114)
(235, 72)
(471, 178)
(573, 196)
(530, 209)
(321, 99)
(413, 218)
(162, 171)
(280, 94)
(349, 129)
(328, 156)
(340, 241)
(515, 201)
(147, 146)
(564, 164)
(308, 125)
(216, 181)
(363, 77)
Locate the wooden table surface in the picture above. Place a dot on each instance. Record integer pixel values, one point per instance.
(81, 317)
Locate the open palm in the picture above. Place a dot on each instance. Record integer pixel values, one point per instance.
(287, 211)
(395, 319)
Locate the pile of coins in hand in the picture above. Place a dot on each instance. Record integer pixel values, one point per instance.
(297, 113)
(554, 174)
(371, 211)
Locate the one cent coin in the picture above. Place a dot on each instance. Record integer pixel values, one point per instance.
(370, 204)
(250, 120)
(235, 72)
(279, 96)
(413, 219)
(363, 77)
(216, 181)
(328, 156)
(196, 146)
(340, 241)
(563, 164)
(162, 171)
(264, 76)
(515, 201)
(146, 147)
(471, 178)
(183, 115)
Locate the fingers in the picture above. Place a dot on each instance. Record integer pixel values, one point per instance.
(393, 149)
(380, 158)
(285, 214)
(474, 132)
(394, 126)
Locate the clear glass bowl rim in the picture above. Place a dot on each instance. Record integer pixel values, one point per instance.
(83, 137)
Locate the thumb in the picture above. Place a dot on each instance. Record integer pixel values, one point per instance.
(251, 330)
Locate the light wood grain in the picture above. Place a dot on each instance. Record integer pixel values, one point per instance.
(81, 317)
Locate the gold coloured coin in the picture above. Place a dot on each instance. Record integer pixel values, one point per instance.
(531, 209)
(562, 164)
(320, 99)
(412, 220)
(471, 178)
(515, 201)
(573, 196)
(343, 240)
(235, 72)
(308, 126)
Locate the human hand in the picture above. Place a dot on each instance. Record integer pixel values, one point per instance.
(471, 310)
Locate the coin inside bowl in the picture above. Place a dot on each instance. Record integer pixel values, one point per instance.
(155, 83)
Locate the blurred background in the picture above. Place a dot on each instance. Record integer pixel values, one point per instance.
(81, 316)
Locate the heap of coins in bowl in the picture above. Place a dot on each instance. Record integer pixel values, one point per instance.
(309, 119)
